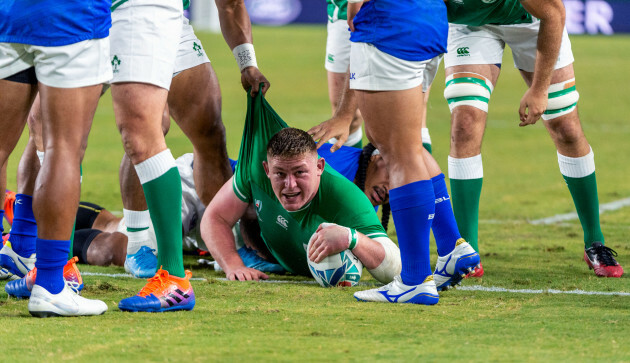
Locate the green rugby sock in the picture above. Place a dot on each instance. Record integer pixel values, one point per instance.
(584, 194)
(466, 176)
(162, 187)
(579, 174)
(427, 146)
(465, 194)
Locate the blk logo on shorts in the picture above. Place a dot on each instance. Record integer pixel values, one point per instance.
(463, 52)
(197, 48)
(115, 63)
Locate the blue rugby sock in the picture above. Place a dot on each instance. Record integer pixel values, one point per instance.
(52, 256)
(1, 221)
(444, 225)
(412, 207)
(24, 228)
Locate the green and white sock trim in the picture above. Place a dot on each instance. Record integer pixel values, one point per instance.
(137, 223)
(40, 156)
(426, 138)
(465, 168)
(155, 166)
(577, 167)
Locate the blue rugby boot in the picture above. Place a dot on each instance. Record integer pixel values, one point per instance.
(452, 268)
(252, 260)
(142, 264)
(14, 263)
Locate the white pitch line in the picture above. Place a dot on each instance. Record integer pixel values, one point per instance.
(617, 204)
(543, 291)
(463, 288)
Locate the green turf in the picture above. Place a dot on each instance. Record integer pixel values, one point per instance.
(236, 321)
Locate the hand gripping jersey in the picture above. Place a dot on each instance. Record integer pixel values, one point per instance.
(52, 23)
(484, 12)
(286, 234)
(412, 30)
(337, 10)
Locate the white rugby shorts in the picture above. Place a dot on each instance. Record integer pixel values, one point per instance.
(485, 45)
(190, 53)
(144, 38)
(374, 70)
(81, 64)
(337, 47)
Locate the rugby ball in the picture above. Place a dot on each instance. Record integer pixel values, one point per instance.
(341, 269)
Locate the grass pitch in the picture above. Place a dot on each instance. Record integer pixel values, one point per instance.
(298, 320)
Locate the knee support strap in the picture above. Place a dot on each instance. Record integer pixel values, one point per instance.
(563, 98)
(468, 89)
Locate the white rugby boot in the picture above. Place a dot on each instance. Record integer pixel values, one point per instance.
(397, 292)
(43, 304)
(452, 268)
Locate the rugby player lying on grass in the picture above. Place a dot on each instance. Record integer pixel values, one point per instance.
(294, 192)
(101, 239)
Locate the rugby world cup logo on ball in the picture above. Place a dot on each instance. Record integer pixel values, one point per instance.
(341, 269)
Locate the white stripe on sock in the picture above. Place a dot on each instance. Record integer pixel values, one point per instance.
(466, 168)
(426, 138)
(155, 166)
(137, 219)
(577, 167)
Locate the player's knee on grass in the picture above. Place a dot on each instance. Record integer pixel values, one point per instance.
(562, 99)
(468, 89)
(98, 248)
(391, 265)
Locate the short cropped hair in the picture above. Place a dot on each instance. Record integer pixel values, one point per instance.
(291, 142)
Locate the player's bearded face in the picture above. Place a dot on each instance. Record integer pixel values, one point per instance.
(377, 181)
(295, 180)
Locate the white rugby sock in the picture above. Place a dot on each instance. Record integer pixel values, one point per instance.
(137, 223)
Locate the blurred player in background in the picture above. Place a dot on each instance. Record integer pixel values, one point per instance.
(534, 30)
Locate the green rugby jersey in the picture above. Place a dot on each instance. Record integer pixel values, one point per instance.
(337, 10)
(285, 233)
(484, 12)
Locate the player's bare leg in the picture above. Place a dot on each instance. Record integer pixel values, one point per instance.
(336, 84)
(139, 113)
(577, 166)
(412, 199)
(465, 167)
(15, 101)
(195, 104)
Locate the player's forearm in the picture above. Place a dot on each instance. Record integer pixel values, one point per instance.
(235, 23)
(552, 20)
(370, 252)
(348, 102)
(219, 239)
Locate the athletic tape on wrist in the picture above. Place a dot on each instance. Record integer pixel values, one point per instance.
(353, 238)
(245, 56)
